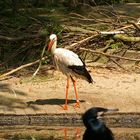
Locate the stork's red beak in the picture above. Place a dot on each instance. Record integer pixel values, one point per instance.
(50, 44)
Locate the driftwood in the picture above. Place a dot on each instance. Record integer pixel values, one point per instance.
(21, 67)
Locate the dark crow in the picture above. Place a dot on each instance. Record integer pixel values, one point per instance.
(96, 129)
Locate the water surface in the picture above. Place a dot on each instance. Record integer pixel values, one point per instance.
(60, 133)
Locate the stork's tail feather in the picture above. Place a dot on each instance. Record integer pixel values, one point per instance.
(82, 71)
(88, 76)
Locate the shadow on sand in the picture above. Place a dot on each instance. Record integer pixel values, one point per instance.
(51, 102)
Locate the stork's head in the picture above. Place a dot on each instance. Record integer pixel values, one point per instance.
(53, 39)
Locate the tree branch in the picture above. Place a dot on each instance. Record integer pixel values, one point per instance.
(127, 38)
(21, 67)
(40, 61)
(82, 42)
(107, 55)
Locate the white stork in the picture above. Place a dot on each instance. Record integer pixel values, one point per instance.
(69, 64)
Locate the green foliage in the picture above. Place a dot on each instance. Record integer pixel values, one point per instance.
(26, 24)
(18, 21)
(4, 4)
(51, 25)
(116, 45)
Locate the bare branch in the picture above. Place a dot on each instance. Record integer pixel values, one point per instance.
(84, 41)
(113, 56)
(21, 67)
(40, 61)
(135, 25)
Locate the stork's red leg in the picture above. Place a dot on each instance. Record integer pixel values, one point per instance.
(76, 94)
(66, 101)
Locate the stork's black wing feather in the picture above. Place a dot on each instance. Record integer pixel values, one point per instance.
(82, 61)
(81, 70)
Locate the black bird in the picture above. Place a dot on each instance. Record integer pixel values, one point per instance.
(96, 129)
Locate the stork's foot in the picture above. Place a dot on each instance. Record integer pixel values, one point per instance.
(77, 105)
(65, 107)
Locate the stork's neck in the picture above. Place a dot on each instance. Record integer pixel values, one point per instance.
(53, 47)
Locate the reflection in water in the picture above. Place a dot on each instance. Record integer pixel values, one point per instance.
(60, 133)
(76, 134)
(41, 133)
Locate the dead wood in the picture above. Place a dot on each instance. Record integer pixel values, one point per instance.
(118, 64)
(21, 67)
(40, 61)
(82, 42)
(135, 25)
(77, 29)
(112, 32)
(104, 50)
(125, 27)
(127, 38)
(108, 55)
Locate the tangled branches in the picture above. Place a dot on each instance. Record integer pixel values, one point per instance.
(102, 35)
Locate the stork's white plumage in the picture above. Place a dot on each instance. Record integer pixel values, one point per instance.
(69, 64)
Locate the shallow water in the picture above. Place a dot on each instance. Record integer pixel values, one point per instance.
(60, 133)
